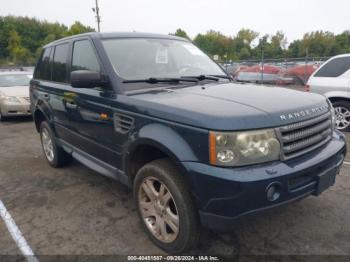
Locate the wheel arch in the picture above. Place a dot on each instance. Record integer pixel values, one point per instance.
(335, 96)
(39, 116)
(339, 98)
(153, 142)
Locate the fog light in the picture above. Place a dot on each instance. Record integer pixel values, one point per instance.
(273, 192)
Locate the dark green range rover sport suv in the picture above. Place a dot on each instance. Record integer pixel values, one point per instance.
(158, 115)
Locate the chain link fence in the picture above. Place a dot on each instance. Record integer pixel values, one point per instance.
(288, 71)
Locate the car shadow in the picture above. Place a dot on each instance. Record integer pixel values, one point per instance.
(16, 120)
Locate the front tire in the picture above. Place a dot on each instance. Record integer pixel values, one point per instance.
(166, 207)
(55, 155)
(342, 113)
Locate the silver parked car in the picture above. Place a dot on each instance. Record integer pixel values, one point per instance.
(14, 94)
(332, 79)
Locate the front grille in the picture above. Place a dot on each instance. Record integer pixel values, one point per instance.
(303, 137)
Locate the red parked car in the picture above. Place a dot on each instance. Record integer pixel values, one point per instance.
(297, 75)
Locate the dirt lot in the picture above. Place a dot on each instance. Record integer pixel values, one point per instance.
(76, 211)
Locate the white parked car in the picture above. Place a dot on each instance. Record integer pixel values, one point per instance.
(14, 94)
(332, 79)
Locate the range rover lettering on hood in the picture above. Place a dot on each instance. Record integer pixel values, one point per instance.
(303, 113)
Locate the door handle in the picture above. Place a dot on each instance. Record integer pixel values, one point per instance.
(71, 105)
(46, 97)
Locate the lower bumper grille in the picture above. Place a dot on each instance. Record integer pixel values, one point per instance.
(303, 137)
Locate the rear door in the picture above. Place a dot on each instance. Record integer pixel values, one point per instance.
(41, 79)
(90, 113)
(49, 86)
(60, 90)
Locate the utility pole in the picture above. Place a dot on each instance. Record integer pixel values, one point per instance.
(262, 41)
(96, 10)
(306, 62)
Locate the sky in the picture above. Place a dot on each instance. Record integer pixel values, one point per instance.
(293, 17)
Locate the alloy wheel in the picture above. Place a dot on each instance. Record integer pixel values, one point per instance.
(47, 145)
(158, 210)
(342, 117)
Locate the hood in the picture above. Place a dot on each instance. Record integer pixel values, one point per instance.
(19, 91)
(231, 106)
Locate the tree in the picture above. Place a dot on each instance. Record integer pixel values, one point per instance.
(319, 43)
(78, 28)
(279, 40)
(277, 45)
(181, 33)
(294, 49)
(21, 38)
(342, 43)
(247, 36)
(214, 43)
(244, 53)
(16, 51)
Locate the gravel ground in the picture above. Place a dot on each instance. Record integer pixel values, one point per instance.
(74, 211)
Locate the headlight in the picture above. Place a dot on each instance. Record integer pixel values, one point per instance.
(333, 115)
(11, 99)
(334, 118)
(243, 148)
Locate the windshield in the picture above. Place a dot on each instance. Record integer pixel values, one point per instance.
(14, 80)
(137, 58)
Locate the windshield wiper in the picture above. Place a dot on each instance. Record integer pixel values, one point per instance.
(223, 76)
(204, 77)
(155, 80)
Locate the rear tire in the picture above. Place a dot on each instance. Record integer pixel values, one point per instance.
(54, 154)
(166, 208)
(342, 112)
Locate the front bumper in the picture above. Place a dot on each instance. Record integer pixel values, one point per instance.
(15, 109)
(225, 194)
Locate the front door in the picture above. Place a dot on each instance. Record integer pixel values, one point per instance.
(90, 114)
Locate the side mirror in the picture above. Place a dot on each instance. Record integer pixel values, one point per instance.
(87, 79)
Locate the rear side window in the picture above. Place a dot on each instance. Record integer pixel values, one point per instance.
(84, 57)
(334, 68)
(43, 69)
(59, 69)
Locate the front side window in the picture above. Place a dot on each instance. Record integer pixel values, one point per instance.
(14, 80)
(334, 68)
(59, 69)
(84, 57)
(43, 69)
(140, 58)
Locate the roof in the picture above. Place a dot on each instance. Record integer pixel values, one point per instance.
(343, 55)
(119, 35)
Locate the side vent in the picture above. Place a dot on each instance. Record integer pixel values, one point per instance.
(123, 123)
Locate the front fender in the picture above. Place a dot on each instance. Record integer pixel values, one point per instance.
(166, 139)
(181, 144)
